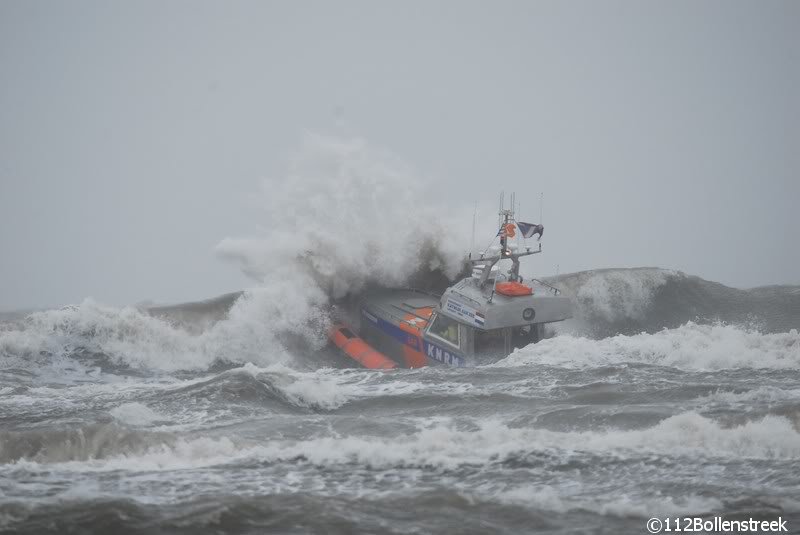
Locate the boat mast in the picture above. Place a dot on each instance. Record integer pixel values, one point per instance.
(505, 217)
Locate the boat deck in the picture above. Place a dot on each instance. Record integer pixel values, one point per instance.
(412, 307)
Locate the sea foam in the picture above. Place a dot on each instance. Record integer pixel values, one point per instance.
(690, 347)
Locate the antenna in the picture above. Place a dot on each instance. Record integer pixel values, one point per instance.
(474, 217)
(500, 211)
(541, 202)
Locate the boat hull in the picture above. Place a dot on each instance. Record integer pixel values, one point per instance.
(357, 349)
(408, 328)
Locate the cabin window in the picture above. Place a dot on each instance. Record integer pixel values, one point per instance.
(501, 342)
(446, 329)
(490, 343)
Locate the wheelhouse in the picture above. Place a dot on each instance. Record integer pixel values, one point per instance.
(476, 344)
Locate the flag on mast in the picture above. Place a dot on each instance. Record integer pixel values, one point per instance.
(529, 229)
(507, 231)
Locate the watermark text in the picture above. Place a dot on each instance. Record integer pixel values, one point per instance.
(711, 525)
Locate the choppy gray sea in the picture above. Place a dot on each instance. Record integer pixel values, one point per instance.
(668, 396)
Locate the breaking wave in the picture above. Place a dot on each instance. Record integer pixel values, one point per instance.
(629, 301)
(130, 337)
(273, 324)
(226, 415)
(435, 443)
(342, 215)
(337, 224)
(690, 347)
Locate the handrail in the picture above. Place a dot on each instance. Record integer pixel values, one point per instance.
(555, 290)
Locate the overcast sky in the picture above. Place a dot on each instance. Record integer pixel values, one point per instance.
(132, 133)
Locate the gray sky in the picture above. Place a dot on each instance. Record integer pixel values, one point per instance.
(132, 133)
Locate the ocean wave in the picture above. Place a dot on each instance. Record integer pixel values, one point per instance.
(550, 499)
(616, 294)
(436, 443)
(762, 394)
(130, 338)
(346, 191)
(690, 347)
(628, 301)
(87, 442)
(135, 414)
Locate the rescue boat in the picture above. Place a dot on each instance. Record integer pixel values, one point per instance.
(481, 318)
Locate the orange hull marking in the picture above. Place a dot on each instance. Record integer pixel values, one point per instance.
(358, 350)
(413, 358)
(425, 312)
(412, 353)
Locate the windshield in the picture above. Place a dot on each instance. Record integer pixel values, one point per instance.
(446, 329)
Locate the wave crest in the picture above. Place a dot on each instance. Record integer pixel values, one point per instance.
(691, 347)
